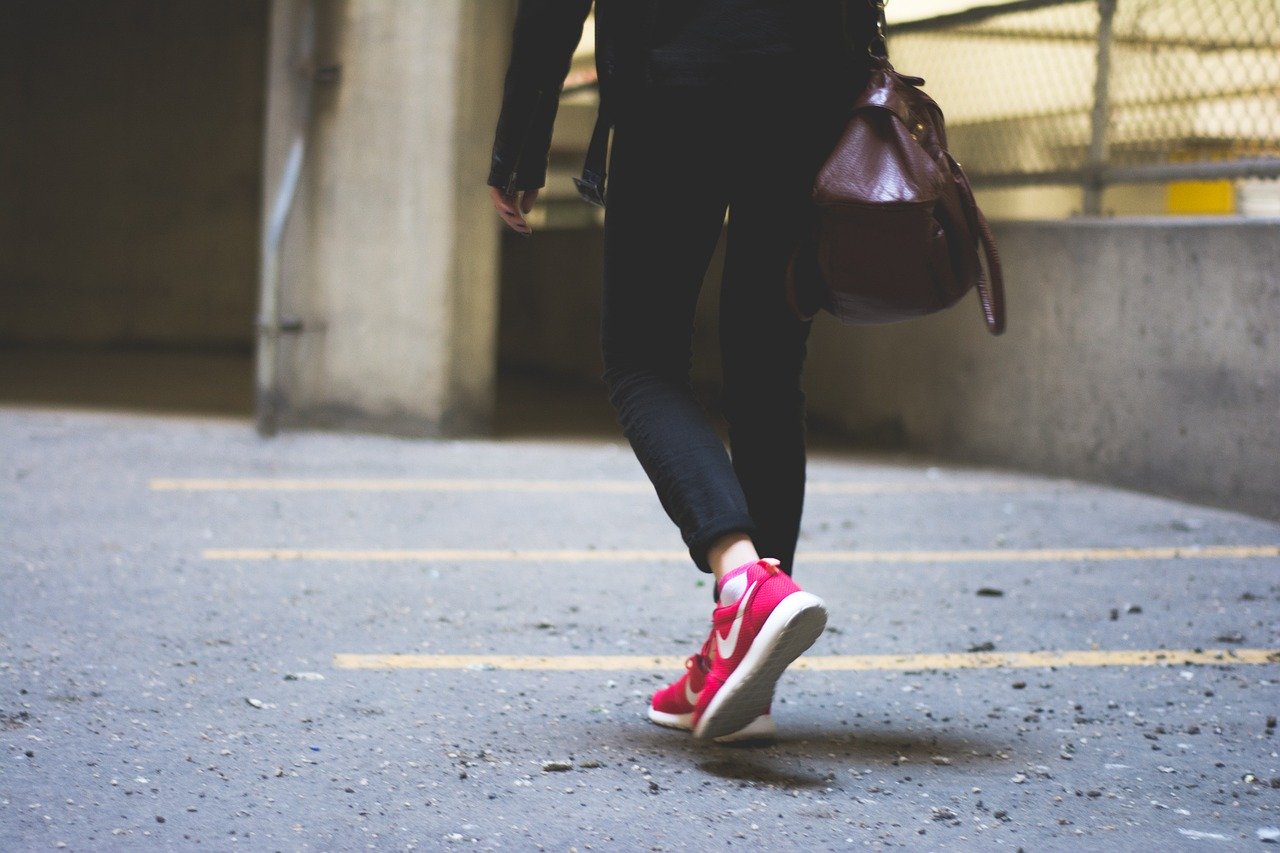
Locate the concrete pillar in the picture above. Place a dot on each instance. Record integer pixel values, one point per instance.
(388, 267)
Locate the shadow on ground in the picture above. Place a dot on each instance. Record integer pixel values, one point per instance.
(781, 761)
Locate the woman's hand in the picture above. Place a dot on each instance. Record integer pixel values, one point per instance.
(512, 208)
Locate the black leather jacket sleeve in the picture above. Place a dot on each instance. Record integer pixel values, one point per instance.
(546, 33)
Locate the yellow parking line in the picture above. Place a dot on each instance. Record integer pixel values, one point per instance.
(249, 484)
(835, 487)
(999, 555)
(264, 484)
(830, 663)
(430, 554)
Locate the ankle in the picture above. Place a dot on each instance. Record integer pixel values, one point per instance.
(729, 552)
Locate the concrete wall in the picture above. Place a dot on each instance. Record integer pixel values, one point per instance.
(130, 143)
(550, 317)
(1144, 353)
(550, 303)
(390, 261)
(1140, 353)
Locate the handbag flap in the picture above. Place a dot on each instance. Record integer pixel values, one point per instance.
(885, 91)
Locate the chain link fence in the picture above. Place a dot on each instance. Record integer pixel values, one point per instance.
(1095, 93)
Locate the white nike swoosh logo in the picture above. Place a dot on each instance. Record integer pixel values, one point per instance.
(689, 695)
(730, 641)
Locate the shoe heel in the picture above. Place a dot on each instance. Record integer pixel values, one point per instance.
(798, 621)
(791, 629)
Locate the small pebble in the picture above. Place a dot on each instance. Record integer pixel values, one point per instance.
(304, 676)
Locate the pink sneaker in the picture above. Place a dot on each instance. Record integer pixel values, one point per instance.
(752, 641)
(672, 706)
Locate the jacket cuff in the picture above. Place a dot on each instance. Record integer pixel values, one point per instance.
(504, 175)
(522, 140)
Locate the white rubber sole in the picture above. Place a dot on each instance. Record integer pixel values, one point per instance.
(793, 626)
(671, 721)
(760, 728)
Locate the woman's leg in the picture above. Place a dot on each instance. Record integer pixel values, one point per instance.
(763, 349)
(763, 344)
(763, 621)
(665, 212)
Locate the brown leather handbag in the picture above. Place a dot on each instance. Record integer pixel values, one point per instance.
(897, 232)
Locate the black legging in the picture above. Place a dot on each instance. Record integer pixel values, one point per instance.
(679, 158)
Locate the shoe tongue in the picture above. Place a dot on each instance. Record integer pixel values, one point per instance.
(733, 585)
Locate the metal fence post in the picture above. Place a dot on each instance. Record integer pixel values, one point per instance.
(1097, 159)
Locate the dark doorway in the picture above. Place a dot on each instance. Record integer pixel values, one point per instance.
(130, 168)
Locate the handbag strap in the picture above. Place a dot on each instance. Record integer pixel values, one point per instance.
(990, 290)
(991, 282)
(879, 44)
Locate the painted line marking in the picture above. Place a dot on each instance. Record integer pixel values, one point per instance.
(251, 484)
(1001, 555)
(829, 663)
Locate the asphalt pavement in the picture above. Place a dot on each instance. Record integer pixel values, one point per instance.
(331, 642)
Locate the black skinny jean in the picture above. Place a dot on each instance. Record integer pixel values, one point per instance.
(679, 158)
